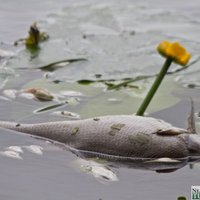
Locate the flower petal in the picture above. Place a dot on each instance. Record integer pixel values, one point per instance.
(175, 51)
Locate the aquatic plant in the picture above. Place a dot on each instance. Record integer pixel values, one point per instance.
(35, 36)
(40, 93)
(173, 52)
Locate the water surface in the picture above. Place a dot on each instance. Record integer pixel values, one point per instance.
(118, 38)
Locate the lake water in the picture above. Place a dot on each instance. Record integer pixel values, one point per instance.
(118, 39)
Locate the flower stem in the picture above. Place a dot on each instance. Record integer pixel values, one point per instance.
(154, 87)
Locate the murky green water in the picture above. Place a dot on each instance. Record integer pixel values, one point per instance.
(118, 39)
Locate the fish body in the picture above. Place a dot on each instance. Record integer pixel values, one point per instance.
(120, 135)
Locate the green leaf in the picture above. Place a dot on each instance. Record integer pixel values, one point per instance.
(50, 107)
(86, 82)
(57, 64)
(111, 85)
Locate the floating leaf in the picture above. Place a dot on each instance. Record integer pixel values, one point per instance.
(111, 83)
(86, 82)
(50, 107)
(58, 64)
(126, 82)
(120, 85)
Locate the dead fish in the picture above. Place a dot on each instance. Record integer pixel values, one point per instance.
(138, 137)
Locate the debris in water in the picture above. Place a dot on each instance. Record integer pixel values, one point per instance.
(11, 154)
(10, 93)
(71, 93)
(114, 100)
(98, 75)
(40, 94)
(26, 95)
(34, 149)
(17, 125)
(67, 114)
(98, 170)
(15, 148)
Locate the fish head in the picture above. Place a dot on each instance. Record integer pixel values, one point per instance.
(193, 143)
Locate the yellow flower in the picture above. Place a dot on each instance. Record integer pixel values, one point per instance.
(174, 51)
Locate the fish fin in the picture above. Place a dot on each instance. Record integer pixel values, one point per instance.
(191, 119)
(171, 132)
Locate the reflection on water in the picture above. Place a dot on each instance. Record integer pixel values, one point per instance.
(59, 170)
(100, 164)
(160, 165)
